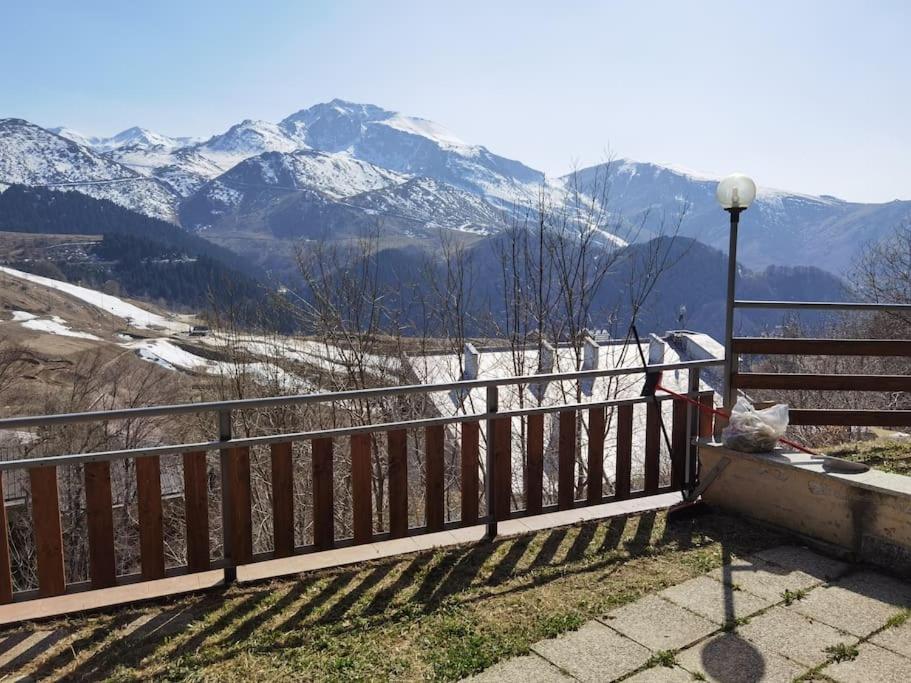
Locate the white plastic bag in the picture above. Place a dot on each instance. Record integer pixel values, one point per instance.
(755, 431)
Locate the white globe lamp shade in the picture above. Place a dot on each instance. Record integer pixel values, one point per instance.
(737, 191)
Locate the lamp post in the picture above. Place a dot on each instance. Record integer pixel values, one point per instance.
(735, 194)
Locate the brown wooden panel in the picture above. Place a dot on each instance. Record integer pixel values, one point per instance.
(822, 347)
(282, 499)
(362, 487)
(196, 503)
(624, 451)
(470, 451)
(534, 467)
(855, 418)
(595, 455)
(240, 523)
(398, 483)
(323, 495)
(151, 519)
(652, 447)
(99, 510)
(678, 443)
(502, 475)
(755, 380)
(6, 578)
(706, 416)
(433, 454)
(566, 456)
(48, 538)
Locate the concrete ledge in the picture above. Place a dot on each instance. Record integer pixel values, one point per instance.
(868, 514)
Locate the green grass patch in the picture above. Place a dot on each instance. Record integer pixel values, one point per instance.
(842, 652)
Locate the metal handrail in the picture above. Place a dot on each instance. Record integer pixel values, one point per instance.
(323, 397)
(823, 305)
(172, 449)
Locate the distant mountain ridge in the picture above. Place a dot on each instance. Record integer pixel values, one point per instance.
(335, 167)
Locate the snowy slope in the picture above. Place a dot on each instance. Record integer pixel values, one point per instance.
(131, 137)
(30, 155)
(244, 140)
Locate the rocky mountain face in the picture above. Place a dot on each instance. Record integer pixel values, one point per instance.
(337, 168)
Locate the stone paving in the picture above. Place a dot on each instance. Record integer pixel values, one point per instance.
(787, 613)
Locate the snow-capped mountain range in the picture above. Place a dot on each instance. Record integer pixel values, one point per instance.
(335, 167)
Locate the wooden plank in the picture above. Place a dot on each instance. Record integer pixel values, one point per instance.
(362, 487)
(624, 451)
(566, 460)
(238, 500)
(323, 495)
(470, 452)
(502, 475)
(595, 456)
(854, 418)
(433, 454)
(652, 447)
(6, 576)
(757, 380)
(282, 499)
(151, 518)
(822, 347)
(196, 504)
(678, 443)
(534, 467)
(100, 523)
(48, 537)
(398, 483)
(706, 416)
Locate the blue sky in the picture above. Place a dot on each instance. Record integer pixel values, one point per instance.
(803, 95)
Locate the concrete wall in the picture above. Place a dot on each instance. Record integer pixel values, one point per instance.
(868, 515)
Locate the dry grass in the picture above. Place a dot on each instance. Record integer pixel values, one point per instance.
(886, 454)
(435, 615)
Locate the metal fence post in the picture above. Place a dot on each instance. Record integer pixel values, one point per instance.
(692, 430)
(493, 406)
(225, 434)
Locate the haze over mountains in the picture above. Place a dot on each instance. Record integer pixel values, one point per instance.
(331, 169)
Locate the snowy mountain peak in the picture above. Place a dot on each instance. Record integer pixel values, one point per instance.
(135, 137)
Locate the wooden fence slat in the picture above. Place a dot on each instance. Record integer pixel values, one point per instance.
(822, 347)
(48, 537)
(652, 447)
(624, 451)
(196, 504)
(678, 443)
(323, 495)
(502, 475)
(398, 483)
(595, 488)
(433, 453)
(788, 381)
(282, 499)
(534, 467)
(362, 487)
(151, 518)
(706, 416)
(6, 576)
(238, 500)
(566, 474)
(100, 521)
(852, 418)
(470, 451)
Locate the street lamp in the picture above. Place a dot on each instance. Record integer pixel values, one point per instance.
(735, 194)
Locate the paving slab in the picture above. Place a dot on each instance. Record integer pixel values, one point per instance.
(859, 604)
(805, 560)
(661, 674)
(658, 624)
(715, 600)
(763, 578)
(794, 636)
(594, 653)
(728, 658)
(872, 663)
(527, 669)
(897, 639)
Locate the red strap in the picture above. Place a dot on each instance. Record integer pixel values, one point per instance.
(715, 411)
